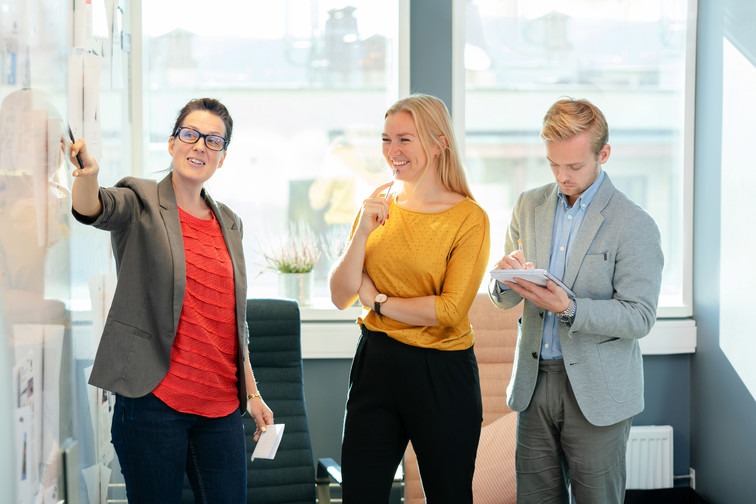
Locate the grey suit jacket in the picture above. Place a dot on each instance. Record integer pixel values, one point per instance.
(614, 269)
(135, 350)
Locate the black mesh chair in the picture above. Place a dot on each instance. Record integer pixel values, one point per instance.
(276, 356)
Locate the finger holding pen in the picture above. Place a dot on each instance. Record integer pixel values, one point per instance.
(85, 192)
(515, 260)
(346, 275)
(84, 164)
(519, 255)
(374, 210)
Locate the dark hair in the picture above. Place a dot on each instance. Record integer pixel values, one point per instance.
(211, 105)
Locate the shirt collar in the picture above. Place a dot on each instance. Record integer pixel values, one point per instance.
(584, 199)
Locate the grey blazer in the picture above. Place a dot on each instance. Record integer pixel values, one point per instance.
(614, 269)
(135, 350)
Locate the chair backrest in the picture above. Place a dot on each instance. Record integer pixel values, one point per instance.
(275, 352)
(495, 340)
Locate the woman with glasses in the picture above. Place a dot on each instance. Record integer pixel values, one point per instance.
(174, 347)
(415, 260)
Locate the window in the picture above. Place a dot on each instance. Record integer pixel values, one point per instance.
(633, 60)
(307, 83)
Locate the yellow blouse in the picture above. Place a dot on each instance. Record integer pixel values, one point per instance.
(416, 254)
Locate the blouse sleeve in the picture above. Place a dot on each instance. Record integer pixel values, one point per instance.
(465, 269)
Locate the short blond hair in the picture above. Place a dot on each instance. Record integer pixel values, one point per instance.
(569, 117)
(433, 121)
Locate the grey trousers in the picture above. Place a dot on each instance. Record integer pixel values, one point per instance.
(558, 450)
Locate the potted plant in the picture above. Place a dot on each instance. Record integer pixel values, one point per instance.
(293, 255)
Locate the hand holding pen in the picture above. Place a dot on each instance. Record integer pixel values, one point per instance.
(515, 260)
(374, 210)
(76, 151)
(73, 141)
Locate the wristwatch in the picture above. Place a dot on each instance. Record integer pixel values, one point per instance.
(568, 315)
(378, 301)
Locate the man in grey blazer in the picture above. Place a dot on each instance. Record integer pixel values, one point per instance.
(577, 379)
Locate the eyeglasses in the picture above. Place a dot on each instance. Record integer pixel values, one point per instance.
(192, 136)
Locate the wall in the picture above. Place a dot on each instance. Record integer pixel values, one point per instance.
(431, 48)
(723, 410)
(325, 384)
(668, 398)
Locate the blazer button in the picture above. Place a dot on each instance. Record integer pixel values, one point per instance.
(535, 355)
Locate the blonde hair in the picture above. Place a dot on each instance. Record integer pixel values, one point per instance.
(569, 117)
(432, 121)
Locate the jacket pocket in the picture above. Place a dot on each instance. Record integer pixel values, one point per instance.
(619, 368)
(117, 326)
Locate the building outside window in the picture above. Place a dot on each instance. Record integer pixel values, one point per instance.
(307, 83)
(632, 59)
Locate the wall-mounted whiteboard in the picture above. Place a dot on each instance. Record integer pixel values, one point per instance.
(61, 65)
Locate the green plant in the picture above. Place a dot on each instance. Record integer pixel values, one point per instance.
(295, 251)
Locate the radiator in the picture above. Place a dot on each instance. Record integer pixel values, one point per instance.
(649, 457)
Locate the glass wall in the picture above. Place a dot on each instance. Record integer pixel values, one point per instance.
(61, 67)
(631, 59)
(307, 83)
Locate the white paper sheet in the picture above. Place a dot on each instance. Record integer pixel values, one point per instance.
(267, 445)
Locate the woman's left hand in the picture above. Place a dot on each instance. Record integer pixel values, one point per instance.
(261, 414)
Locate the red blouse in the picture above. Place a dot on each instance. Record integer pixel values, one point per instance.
(202, 377)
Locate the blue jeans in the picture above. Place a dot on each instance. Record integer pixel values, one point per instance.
(156, 445)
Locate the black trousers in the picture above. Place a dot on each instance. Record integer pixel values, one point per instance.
(400, 393)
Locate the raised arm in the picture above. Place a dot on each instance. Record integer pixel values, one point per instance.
(85, 192)
(346, 275)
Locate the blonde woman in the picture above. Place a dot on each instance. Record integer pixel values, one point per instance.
(416, 257)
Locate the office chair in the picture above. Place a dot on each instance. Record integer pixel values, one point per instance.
(276, 356)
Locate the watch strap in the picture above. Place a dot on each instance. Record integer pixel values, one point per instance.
(568, 315)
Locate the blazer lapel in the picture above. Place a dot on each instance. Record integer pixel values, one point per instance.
(591, 224)
(232, 235)
(169, 212)
(544, 227)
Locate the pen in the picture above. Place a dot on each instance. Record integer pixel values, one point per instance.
(388, 193)
(78, 156)
(519, 247)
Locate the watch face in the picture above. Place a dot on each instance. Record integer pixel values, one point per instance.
(381, 298)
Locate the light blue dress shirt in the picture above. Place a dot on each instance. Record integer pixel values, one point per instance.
(567, 221)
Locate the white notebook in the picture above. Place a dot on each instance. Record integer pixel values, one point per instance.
(537, 276)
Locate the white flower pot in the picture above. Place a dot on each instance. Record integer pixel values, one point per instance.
(296, 286)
